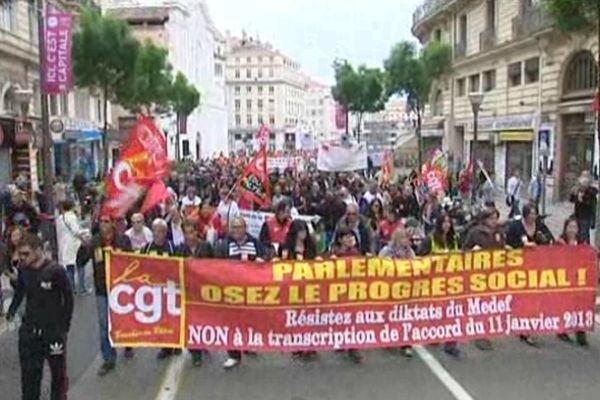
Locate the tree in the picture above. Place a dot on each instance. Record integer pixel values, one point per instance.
(411, 73)
(184, 99)
(572, 16)
(360, 91)
(104, 59)
(150, 86)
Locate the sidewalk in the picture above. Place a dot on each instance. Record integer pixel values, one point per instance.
(557, 212)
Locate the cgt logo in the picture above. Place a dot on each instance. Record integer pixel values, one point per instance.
(147, 299)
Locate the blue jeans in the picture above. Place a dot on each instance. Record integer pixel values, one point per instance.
(108, 352)
(80, 277)
(584, 230)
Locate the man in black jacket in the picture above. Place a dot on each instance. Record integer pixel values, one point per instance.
(585, 198)
(106, 240)
(194, 247)
(48, 313)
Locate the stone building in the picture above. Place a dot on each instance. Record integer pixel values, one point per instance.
(538, 86)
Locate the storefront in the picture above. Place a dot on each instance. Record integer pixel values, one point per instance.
(77, 148)
(16, 151)
(519, 153)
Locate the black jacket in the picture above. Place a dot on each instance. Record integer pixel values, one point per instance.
(95, 251)
(203, 250)
(49, 304)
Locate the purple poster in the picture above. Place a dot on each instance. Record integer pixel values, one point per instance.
(57, 73)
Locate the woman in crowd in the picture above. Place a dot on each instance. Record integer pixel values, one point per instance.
(388, 225)
(299, 245)
(399, 247)
(176, 234)
(442, 240)
(570, 237)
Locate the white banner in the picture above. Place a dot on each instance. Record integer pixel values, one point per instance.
(256, 219)
(339, 158)
(281, 163)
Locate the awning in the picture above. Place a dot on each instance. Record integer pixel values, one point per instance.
(406, 143)
(83, 136)
(516, 136)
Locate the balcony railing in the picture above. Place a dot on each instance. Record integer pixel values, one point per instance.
(530, 20)
(487, 38)
(428, 8)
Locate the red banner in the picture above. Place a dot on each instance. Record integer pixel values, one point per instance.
(358, 302)
(254, 182)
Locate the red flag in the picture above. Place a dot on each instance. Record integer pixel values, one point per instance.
(386, 168)
(157, 193)
(143, 162)
(254, 183)
(262, 136)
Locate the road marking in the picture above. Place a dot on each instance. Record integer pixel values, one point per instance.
(442, 374)
(170, 384)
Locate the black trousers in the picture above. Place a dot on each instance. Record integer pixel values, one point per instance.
(36, 346)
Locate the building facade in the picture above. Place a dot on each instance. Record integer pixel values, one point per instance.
(320, 112)
(538, 86)
(76, 135)
(197, 49)
(264, 86)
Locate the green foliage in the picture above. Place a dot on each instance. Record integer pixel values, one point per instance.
(151, 83)
(411, 73)
(573, 15)
(184, 98)
(104, 54)
(359, 90)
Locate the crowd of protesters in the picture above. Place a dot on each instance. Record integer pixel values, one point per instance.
(353, 215)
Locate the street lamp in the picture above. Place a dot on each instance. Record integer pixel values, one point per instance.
(476, 100)
(545, 153)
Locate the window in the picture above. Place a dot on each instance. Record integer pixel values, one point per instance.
(463, 29)
(249, 60)
(260, 73)
(185, 145)
(260, 120)
(237, 60)
(249, 120)
(271, 72)
(248, 89)
(489, 80)
(99, 106)
(249, 105)
(491, 14)
(218, 69)
(260, 59)
(271, 59)
(249, 73)
(271, 90)
(237, 73)
(64, 104)
(7, 15)
(271, 102)
(53, 105)
(460, 87)
(474, 83)
(437, 35)
(515, 77)
(33, 26)
(532, 70)
(260, 90)
(237, 105)
(582, 75)
(238, 120)
(272, 120)
(237, 90)
(260, 104)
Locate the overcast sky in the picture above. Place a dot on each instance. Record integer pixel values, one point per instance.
(315, 32)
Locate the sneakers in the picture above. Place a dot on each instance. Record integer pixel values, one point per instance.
(128, 353)
(529, 340)
(106, 367)
(407, 352)
(164, 353)
(355, 356)
(231, 363)
(581, 339)
(453, 351)
(196, 358)
(484, 344)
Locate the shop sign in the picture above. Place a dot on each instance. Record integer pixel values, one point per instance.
(504, 123)
(74, 124)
